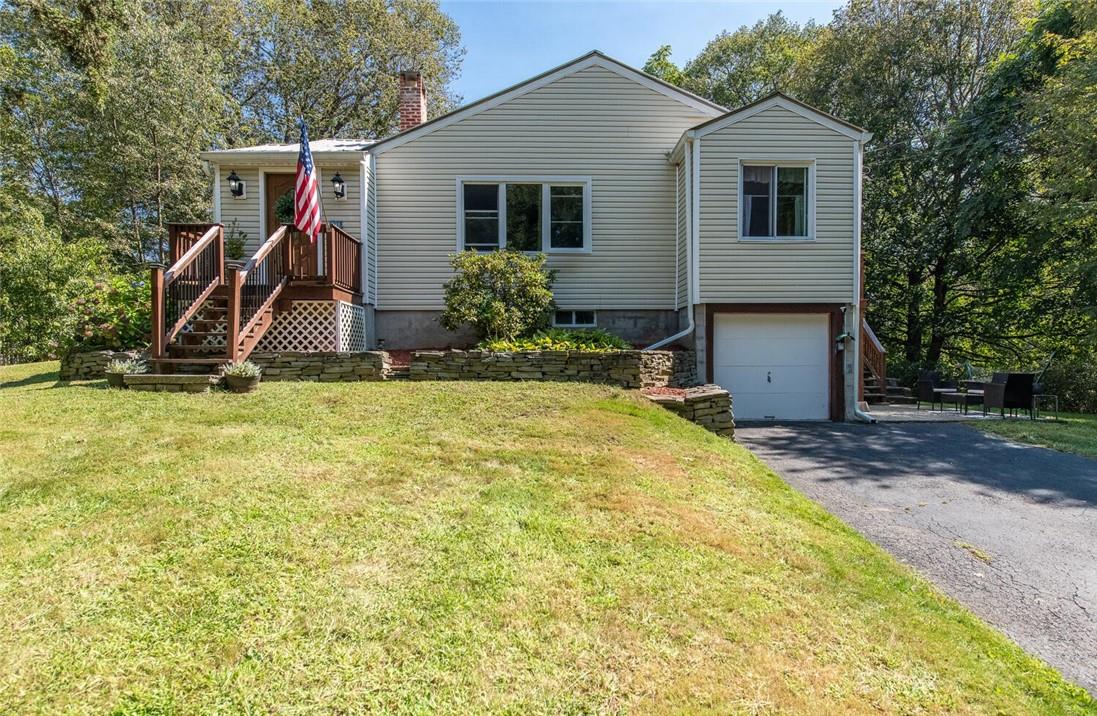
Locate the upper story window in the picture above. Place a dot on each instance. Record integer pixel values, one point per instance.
(775, 201)
(527, 214)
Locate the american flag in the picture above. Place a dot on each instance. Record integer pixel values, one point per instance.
(306, 214)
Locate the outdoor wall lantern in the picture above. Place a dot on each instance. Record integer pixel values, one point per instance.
(339, 186)
(237, 186)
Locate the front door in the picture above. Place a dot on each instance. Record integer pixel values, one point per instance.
(279, 201)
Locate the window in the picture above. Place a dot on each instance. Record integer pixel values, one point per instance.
(550, 215)
(481, 216)
(775, 202)
(574, 319)
(524, 217)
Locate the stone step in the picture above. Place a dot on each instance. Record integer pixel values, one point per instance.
(901, 400)
(171, 382)
(896, 390)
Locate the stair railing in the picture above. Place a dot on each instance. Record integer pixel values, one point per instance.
(253, 290)
(179, 292)
(874, 354)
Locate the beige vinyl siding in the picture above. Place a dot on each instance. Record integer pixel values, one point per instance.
(248, 212)
(370, 235)
(790, 271)
(348, 210)
(244, 212)
(683, 238)
(592, 123)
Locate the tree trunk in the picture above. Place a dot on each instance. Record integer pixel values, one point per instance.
(913, 344)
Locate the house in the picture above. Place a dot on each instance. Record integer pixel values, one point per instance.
(668, 218)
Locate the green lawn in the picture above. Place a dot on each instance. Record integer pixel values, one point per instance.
(1073, 432)
(448, 547)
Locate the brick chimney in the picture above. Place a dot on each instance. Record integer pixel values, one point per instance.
(413, 100)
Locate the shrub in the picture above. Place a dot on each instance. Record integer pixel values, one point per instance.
(501, 294)
(127, 367)
(244, 369)
(1075, 383)
(114, 315)
(558, 339)
(41, 277)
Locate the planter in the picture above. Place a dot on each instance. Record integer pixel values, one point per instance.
(116, 380)
(239, 384)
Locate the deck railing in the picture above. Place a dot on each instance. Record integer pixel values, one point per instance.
(343, 260)
(178, 292)
(334, 259)
(874, 354)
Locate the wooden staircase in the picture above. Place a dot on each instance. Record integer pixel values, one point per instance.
(206, 313)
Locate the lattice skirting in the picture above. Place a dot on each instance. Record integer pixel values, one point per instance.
(306, 326)
(351, 335)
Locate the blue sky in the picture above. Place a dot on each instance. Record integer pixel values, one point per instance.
(508, 42)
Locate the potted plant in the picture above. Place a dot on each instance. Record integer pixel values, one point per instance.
(242, 377)
(117, 370)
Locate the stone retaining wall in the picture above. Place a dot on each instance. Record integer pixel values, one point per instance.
(328, 367)
(707, 405)
(684, 369)
(90, 365)
(628, 369)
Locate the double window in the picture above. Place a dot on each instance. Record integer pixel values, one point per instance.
(775, 201)
(524, 214)
(574, 319)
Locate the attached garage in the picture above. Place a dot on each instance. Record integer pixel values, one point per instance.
(777, 366)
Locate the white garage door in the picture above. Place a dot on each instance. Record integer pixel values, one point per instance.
(775, 365)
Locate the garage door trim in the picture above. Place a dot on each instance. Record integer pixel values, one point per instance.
(836, 390)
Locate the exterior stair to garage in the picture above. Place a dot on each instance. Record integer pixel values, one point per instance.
(892, 392)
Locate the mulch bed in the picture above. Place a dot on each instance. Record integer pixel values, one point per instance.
(677, 392)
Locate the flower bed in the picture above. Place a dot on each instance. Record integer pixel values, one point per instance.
(707, 405)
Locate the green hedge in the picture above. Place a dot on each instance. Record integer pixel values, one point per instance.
(1075, 383)
(557, 339)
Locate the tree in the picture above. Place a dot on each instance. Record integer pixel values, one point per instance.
(41, 278)
(738, 67)
(908, 72)
(335, 63)
(660, 65)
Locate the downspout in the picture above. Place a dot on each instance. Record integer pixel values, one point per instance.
(858, 149)
(689, 252)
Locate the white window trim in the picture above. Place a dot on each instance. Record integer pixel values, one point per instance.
(545, 181)
(769, 162)
(573, 311)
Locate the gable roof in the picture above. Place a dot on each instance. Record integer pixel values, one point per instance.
(591, 59)
(782, 100)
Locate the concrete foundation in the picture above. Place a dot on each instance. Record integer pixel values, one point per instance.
(410, 330)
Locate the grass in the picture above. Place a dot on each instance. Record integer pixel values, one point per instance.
(1073, 432)
(448, 548)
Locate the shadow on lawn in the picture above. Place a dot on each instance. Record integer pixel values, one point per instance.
(888, 455)
(36, 379)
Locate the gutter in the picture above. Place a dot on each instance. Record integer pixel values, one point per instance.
(858, 151)
(688, 138)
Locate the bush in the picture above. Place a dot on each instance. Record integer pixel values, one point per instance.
(41, 277)
(127, 367)
(245, 369)
(501, 294)
(1075, 383)
(558, 339)
(115, 315)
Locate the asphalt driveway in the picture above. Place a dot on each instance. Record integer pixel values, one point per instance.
(1008, 530)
